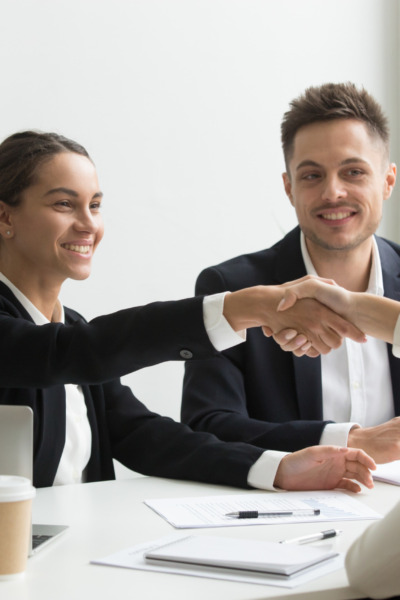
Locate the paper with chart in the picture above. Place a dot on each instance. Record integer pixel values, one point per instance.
(211, 511)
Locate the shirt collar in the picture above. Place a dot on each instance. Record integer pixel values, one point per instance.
(375, 284)
(37, 317)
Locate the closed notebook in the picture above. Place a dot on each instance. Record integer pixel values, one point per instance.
(242, 554)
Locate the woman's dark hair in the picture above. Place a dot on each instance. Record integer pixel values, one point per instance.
(20, 156)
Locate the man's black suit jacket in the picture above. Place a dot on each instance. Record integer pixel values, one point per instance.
(36, 362)
(256, 392)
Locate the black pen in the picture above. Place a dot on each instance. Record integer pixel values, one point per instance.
(255, 514)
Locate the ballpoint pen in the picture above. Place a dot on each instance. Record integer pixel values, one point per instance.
(313, 537)
(255, 514)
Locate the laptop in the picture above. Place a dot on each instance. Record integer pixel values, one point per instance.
(16, 458)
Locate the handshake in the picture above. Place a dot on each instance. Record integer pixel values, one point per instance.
(311, 316)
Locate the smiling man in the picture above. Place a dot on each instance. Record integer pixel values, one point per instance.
(338, 174)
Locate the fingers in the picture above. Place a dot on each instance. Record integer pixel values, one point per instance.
(312, 353)
(310, 328)
(360, 473)
(289, 340)
(344, 328)
(301, 288)
(267, 331)
(348, 484)
(289, 299)
(356, 455)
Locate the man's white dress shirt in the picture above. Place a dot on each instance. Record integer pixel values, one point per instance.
(356, 381)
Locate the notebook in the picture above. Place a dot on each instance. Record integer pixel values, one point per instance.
(16, 458)
(242, 554)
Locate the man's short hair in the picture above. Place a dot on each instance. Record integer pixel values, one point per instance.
(332, 101)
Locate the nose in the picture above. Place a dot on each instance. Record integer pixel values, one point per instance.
(333, 188)
(87, 221)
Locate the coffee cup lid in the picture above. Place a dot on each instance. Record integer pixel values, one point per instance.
(13, 488)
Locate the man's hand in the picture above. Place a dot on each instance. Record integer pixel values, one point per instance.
(382, 442)
(325, 468)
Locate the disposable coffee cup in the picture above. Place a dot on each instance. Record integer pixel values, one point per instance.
(16, 494)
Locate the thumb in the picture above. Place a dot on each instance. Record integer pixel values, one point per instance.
(289, 299)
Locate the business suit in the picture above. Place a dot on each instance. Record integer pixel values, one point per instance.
(36, 362)
(372, 562)
(256, 392)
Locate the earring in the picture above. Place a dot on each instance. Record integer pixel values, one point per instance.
(8, 232)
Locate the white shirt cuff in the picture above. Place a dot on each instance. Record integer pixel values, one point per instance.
(221, 334)
(262, 474)
(396, 339)
(336, 434)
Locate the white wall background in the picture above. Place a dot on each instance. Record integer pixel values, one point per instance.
(179, 102)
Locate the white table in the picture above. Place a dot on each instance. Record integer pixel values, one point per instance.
(106, 517)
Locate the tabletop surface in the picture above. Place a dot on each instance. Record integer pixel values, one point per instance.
(109, 516)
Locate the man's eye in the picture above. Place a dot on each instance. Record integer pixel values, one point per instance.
(310, 176)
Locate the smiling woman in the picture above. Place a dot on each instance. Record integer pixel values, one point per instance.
(67, 370)
(53, 229)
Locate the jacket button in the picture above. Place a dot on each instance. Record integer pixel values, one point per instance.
(186, 354)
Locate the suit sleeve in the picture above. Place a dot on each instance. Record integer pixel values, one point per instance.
(372, 563)
(246, 393)
(154, 445)
(105, 348)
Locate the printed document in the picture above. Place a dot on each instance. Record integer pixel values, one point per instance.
(211, 511)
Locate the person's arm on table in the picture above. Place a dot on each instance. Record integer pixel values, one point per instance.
(317, 467)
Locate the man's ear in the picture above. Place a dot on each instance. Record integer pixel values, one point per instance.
(390, 181)
(287, 184)
(6, 230)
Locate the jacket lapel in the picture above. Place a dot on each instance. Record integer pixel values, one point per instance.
(390, 261)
